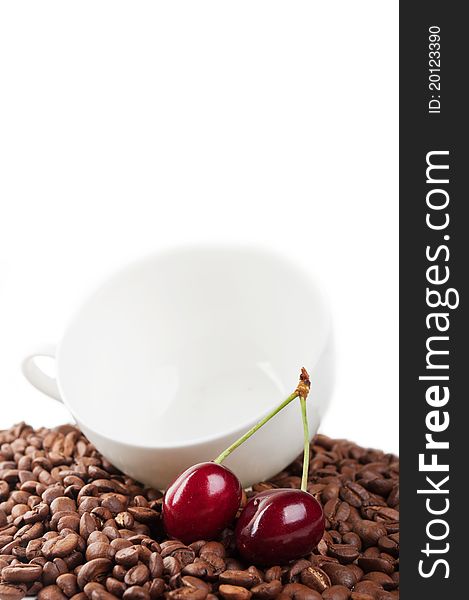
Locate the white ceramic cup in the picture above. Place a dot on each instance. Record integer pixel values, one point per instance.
(177, 355)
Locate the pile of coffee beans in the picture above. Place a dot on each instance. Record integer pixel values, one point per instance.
(73, 527)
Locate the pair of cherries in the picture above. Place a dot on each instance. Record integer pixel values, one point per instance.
(275, 526)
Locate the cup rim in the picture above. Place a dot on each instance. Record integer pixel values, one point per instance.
(174, 250)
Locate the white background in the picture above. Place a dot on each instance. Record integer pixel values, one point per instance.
(128, 127)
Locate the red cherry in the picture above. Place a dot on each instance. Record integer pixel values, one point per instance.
(201, 502)
(280, 525)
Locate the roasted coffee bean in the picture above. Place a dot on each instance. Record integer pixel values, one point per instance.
(356, 570)
(34, 588)
(387, 582)
(267, 590)
(330, 491)
(369, 531)
(21, 573)
(386, 513)
(68, 584)
(156, 589)
(125, 520)
(171, 566)
(137, 575)
(372, 552)
(293, 573)
(94, 570)
(144, 553)
(322, 546)
(196, 546)
(336, 511)
(101, 594)
(4, 490)
(4, 563)
(379, 485)
(188, 593)
(234, 592)
(18, 510)
(368, 587)
(142, 514)
(73, 560)
(116, 587)
(62, 504)
(52, 569)
(273, 573)
(336, 592)
(51, 592)
(184, 555)
(376, 564)
(119, 572)
(93, 586)
(389, 545)
(11, 592)
(28, 532)
(384, 595)
(334, 536)
(98, 536)
(117, 544)
(115, 503)
(345, 553)
(69, 521)
(169, 547)
(103, 514)
(155, 564)
(352, 539)
(215, 561)
(392, 527)
(136, 592)
(86, 503)
(140, 500)
(128, 557)
(340, 575)
(354, 494)
(213, 548)
(257, 573)
(393, 498)
(195, 582)
(242, 578)
(315, 578)
(111, 532)
(100, 550)
(88, 524)
(60, 546)
(199, 568)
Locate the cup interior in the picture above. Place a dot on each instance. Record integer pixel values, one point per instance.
(190, 344)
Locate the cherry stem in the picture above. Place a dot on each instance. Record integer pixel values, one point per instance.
(304, 477)
(301, 391)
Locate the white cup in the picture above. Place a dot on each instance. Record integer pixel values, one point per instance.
(177, 355)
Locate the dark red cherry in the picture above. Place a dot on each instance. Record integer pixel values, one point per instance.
(201, 502)
(280, 525)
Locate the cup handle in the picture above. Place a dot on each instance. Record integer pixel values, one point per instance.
(36, 377)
